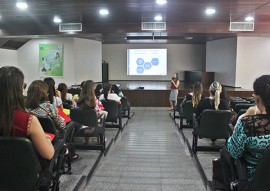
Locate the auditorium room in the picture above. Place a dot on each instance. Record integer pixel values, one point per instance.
(137, 95)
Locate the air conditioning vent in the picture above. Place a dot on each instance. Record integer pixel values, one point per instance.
(241, 26)
(153, 25)
(70, 27)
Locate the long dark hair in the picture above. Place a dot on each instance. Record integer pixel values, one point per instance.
(115, 89)
(36, 94)
(261, 88)
(197, 93)
(106, 89)
(51, 84)
(98, 90)
(62, 87)
(11, 97)
(87, 98)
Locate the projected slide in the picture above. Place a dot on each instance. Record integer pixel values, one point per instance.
(147, 62)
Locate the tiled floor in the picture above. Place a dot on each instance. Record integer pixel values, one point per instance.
(149, 156)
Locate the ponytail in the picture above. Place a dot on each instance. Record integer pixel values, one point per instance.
(217, 99)
(215, 89)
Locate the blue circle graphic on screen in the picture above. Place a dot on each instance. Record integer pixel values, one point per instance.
(147, 65)
(140, 70)
(155, 61)
(140, 61)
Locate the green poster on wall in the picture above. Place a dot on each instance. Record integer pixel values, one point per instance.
(51, 60)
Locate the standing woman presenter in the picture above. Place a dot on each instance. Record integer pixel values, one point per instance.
(174, 91)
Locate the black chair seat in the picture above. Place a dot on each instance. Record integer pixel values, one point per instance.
(214, 124)
(114, 116)
(187, 114)
(20, 166)
(88, 119)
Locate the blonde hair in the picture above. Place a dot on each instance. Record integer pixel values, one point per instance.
(215, 90)
(197, 93)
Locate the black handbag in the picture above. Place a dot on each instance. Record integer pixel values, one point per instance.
(217, 178)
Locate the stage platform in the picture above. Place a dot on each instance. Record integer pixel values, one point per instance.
(156, 93)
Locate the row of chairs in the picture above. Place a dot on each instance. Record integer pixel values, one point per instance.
(19, 159)
(21, 168)
(216, 125)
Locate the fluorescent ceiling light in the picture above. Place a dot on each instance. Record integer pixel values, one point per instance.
(158, 18)
(161, 2)
(189, 37)
(210, 11)
(57, 19)
(249, 18)
(21, 5)
(103, 11)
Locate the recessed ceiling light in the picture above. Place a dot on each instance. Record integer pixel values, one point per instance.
(158, 18)
(57, 19)
(210, 11)
(103, 11)
(249, 18)
(161, 2)
(21, 5)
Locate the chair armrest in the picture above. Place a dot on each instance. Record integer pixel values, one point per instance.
(58, 146)
(67, 131)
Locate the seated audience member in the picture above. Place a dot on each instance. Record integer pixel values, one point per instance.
(188, 96)
(211, 102)
(88, 99)
(224, 96)
(117, 91)
(197, 94)
(251, 132)
(37, 102)
(108, 95)
(14, 120)
(65, 96)
(54, 95)
(98, 90)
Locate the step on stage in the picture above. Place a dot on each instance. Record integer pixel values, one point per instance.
(156, 93)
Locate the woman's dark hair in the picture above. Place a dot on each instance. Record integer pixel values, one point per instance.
(11, 97)
(62, 87)
(51, 84)
(115, 89)
(197, 93)
(36, 94)
(261, 87)
(224, 96)
(98, 90)
(87, 98)
(106, 89)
